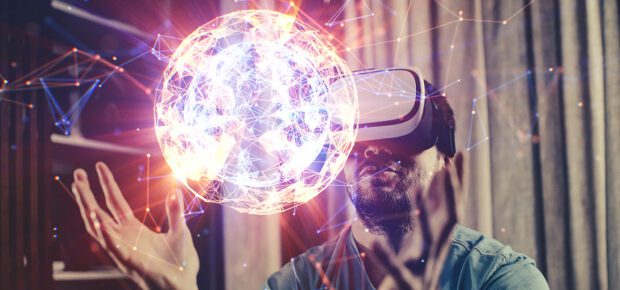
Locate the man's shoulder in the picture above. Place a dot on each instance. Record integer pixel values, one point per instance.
(474, 261)
(472, 240)
(478, 261)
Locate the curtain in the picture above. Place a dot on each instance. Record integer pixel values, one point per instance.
(535, 89)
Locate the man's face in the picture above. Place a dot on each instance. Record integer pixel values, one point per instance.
(382, 178)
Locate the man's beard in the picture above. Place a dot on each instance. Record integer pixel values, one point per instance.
(387, 211)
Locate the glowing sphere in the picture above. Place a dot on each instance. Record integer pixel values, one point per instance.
(245, 114)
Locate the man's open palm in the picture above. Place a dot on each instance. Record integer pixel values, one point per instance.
(153, 260)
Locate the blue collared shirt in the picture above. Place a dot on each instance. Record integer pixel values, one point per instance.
(473, 262)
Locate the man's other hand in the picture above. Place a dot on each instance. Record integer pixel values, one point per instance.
(419, 262)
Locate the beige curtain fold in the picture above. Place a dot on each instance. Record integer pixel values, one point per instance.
(611, 71)
(554, 185)
(537, 113)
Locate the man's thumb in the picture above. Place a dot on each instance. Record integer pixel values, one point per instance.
(174, 210)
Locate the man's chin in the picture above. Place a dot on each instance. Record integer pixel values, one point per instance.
(391, 220)
(382, 202)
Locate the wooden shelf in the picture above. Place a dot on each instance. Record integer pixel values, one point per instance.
(77, 141)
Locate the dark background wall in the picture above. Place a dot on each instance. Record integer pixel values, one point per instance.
(39, 221)
(25, 228)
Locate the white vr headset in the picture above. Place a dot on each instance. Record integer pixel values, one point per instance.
(394, 106)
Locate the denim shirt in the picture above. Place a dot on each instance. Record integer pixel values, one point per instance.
(473, 262)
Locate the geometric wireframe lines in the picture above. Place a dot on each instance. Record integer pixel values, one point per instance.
(476, 123)
(65, 120)
(458, 18)
(245, 112)
(164, 47)
(3, 85)
(333, 21)
(71, 69)
(194, 207)
(475, 119)
(328, 225)
(65, 74)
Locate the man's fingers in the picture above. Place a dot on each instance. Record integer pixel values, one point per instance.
(435, 221)
(422, 236)
(119, 252)
(443, 217)
(174, 210)
(99, 217)
(414, 242)
(84, 191)
(388, 283)
(435, 266)
(110, 235)
(84, 213)
(434, 198)
(437, 216)
(459, 183)
(459, 162)
(107, 228)
(401, 275)
(115, 201)
(86, 200)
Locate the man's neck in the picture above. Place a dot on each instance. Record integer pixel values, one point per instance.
(364, 240)
(365, 237)
(392, 232)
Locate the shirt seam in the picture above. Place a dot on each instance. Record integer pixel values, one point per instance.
(480, 251)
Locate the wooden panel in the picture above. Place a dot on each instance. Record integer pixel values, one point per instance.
(18, 179)
(25, 262)
(4, 179)
(4, 165)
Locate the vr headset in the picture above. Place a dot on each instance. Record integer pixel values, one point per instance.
(395, 108)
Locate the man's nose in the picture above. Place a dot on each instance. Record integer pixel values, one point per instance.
(376, 150)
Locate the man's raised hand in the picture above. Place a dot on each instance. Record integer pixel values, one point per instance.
(153, 260)
(437, 209)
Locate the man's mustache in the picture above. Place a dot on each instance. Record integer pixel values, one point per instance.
(378, 163)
